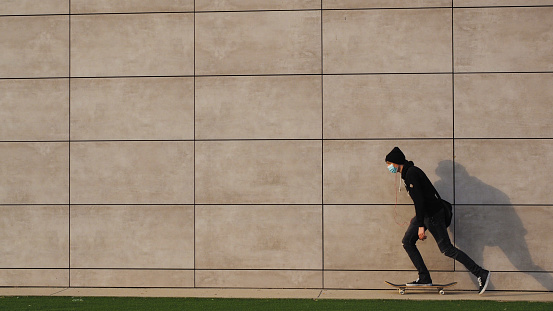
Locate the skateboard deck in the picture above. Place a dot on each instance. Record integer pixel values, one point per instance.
(439, 287)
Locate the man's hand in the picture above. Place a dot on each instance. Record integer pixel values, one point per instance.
(422, 236)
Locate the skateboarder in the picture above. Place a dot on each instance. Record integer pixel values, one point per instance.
(429, 215)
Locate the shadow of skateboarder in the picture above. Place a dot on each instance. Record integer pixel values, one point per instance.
(507, 232)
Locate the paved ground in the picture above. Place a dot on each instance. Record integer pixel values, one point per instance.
(276, 293)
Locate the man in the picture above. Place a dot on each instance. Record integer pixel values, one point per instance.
(429, 214)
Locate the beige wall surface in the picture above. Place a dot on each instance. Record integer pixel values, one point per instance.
(34, 46)
(23, 7)
(241, 143)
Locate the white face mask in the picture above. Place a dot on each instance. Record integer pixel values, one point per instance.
(392, 168)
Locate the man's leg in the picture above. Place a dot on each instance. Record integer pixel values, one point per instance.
(436, 226)
(409, 244)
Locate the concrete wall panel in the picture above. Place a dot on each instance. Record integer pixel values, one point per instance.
(481, 232)
(503, 39)
(132, 173)
(535, 281)
(34, 109)
(503, 106)
(258, 279)
(366, 237)
(132, 45)
(131, 278)
(132, 236)
(34, 46)
(355, 171)
(273, 107)
(248, 5)
(130, 6)
(31, 7)
(516, 174)
(375, 41)
(258, 237)
(372, 4)
(34, 277)
(383, 106)
(486, 3)
(246, 43)
(34, 236)
(34, 173)
(258, 172)
(133, 108)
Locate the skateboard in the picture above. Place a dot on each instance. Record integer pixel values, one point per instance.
(440, 287)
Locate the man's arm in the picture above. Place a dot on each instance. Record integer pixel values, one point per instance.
(415, 191)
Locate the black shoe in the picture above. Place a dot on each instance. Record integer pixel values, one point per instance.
(483, 281)
(419, 283)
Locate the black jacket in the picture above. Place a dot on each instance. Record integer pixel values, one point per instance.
(421, 191)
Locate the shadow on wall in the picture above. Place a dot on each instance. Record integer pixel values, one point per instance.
(506, 232)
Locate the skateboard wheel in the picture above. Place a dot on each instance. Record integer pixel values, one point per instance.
(442, 292)
(401, 292)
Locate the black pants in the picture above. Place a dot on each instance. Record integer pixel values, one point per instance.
(436, 226)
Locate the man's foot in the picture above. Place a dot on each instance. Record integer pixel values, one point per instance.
(418, 282)
(483, 281)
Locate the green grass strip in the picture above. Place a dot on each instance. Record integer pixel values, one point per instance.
(215, 304)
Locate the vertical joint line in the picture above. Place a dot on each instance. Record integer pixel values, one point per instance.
(453, 116)
(322, 157)
(69, 148)
(194, 134)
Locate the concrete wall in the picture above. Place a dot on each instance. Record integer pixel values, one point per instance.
(183, 143)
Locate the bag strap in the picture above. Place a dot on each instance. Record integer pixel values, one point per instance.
(436, 191)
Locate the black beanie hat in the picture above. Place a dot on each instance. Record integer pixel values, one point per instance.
(396, 156)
